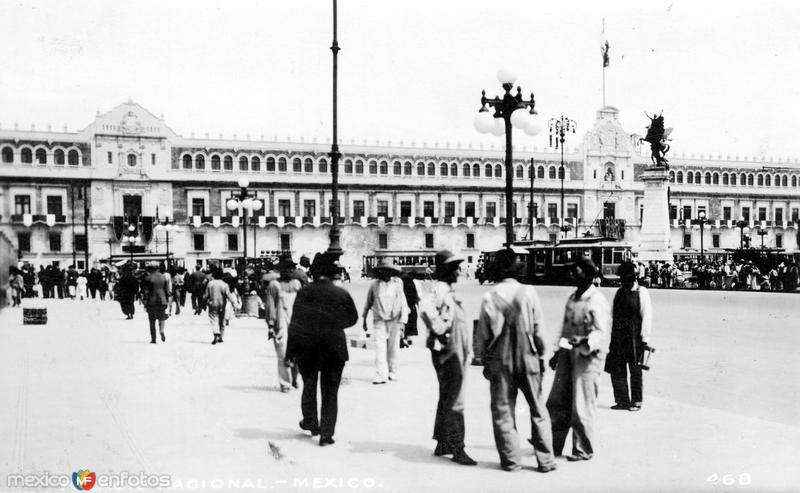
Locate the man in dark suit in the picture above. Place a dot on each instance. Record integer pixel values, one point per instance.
(318, 345)
(156, 299)
(197, 287)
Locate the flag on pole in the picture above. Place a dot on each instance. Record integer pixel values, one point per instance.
(604, 45)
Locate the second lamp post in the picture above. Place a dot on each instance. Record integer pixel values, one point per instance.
(701, 221)
(245, 203)
(509, 111)
(168, 228)
(130, 239)
(559, 128)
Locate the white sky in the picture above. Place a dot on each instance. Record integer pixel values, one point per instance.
(726, 73)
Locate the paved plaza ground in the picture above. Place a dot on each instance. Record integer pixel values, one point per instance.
(87, 390)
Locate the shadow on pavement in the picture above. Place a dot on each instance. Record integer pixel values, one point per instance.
(258, 434)
(254, 388)
(411, 453)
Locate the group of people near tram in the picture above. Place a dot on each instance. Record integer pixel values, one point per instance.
(719, 274)
(510, 342)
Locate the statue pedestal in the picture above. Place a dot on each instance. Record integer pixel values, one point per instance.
(654, 236)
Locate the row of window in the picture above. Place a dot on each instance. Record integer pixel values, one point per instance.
(198, 208)
(732, 179)
(232, 243)
(39, 156)
(358, 167)
(762, 213)
(53, 242)
(55, 204)
(715, 241)
(199, 242)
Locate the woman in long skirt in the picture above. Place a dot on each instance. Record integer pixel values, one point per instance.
(127, 289)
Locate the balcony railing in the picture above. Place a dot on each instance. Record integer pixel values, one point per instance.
(613, 228)
(39, 218)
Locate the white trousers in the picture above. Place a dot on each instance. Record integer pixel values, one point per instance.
(387, 345)
(286, 375)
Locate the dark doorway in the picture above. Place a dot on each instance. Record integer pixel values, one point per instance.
(609, 210)
(132, 205)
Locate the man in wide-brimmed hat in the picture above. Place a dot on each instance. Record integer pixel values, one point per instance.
(279, 303)
(578, 362)
(450, 342)
(322, 311)
(387, 302)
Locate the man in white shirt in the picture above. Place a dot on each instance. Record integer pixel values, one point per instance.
(578, 362)
(630, 334)
(387, 302)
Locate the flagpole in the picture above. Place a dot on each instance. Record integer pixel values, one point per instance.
(604, 65)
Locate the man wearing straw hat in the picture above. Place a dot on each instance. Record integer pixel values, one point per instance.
(279, 303)
(450, 342)
(387, 302)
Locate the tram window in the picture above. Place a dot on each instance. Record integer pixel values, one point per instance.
(607, 256)
(618, 256)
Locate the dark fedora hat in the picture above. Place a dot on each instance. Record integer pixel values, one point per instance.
(627, 270)
(286, 263)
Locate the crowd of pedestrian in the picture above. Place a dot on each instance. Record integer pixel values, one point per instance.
(718, 274)
(306, 312)
(55, 282)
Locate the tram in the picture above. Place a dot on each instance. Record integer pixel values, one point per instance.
(546, 263)
(551, 264)
(487, 269)
(417, 263)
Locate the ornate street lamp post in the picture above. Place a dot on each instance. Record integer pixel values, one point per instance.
(131, 240)
(701, 220)
(335, 248)
(762, 232)
(532, 204)
(508, 110)
(168, 228)
(741, 224)
(245, 204)
(559, 127)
